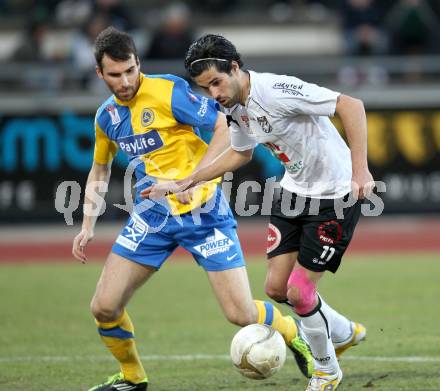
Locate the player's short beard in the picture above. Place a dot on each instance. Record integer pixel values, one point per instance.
(126, 99)
(235, 99)
(230, 103)
(133, 88)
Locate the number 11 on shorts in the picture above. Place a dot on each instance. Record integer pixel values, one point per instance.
(329, 250)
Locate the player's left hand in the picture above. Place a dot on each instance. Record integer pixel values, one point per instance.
(362, 184)
(185, 197)
(160, 190)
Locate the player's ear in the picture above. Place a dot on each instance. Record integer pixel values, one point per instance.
(99, 72)
(234, 66)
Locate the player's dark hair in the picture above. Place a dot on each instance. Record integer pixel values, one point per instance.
(119, 46)
(211, 50)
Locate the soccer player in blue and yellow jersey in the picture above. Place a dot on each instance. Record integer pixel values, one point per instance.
(155, 121)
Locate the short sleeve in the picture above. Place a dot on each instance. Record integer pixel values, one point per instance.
(292, 96)
(241, 139)
(190, 108)
(105, 149)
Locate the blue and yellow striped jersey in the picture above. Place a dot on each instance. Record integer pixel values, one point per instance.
(159, 132)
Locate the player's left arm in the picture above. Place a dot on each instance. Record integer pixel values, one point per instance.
(352, 114)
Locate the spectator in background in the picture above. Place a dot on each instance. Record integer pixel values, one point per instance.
(217, 7)
(33, 52)
(116, 12)
(364, 35)
(30, 48)
(414, 28)
(174, 35)
(82, 47)
(362, 25)
(73, 12)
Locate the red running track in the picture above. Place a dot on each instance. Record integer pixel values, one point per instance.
(375, 236)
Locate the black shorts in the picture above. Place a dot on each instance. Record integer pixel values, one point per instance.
(318, 230)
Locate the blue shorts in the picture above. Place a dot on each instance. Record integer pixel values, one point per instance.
(149, 238)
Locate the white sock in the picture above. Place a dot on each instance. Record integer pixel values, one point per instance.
(317, 328)
(340, 326)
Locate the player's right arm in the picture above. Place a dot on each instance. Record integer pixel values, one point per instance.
(236, 155)
(96, 187)
(228, 161)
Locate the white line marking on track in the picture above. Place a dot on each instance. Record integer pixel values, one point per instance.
(202, 357)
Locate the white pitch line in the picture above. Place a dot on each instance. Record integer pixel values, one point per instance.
(204, 357)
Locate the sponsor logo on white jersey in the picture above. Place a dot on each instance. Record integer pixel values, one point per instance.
(215, 244)
(289, 88)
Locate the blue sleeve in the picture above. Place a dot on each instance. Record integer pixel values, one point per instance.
(193, 109)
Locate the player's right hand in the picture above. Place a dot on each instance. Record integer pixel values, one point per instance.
(80, 243)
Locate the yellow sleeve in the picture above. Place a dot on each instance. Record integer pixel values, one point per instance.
(105, 149)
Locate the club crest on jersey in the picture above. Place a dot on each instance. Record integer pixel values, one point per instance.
(330, 232)
(113, 113)
(215, 244)
(264, 123)
(147, 117)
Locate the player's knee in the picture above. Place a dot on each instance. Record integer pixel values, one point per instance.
(242, 316)
(103, 311)
(240, 319)
(275, 292)
(301, 292)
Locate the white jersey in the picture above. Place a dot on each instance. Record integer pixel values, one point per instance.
(291, 118)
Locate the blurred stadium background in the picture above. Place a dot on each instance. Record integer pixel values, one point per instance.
(386, 53)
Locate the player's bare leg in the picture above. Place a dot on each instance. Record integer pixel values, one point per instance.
(278, 272)
(120, 278)
(233, 292)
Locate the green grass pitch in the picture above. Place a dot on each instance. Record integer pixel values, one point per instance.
(48, 340)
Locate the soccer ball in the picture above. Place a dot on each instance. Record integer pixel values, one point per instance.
(258, 351)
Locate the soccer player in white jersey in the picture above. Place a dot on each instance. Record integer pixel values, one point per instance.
(291, 118)
(155, 120)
